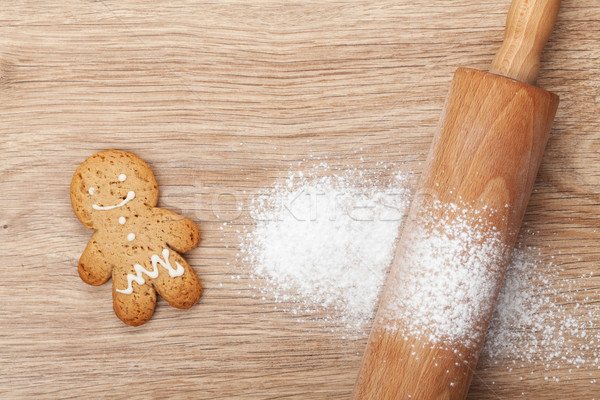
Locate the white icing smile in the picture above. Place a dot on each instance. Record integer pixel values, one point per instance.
(130, 196)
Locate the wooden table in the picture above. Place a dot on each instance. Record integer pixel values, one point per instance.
(220, 98)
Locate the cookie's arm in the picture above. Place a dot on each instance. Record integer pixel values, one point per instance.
(93, 267)
(180, 233)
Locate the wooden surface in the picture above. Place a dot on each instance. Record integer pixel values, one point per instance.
(220, 98)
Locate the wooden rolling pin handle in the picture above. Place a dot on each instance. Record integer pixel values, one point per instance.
(528, 27)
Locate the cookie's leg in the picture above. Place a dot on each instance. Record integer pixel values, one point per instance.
(137, 307)
(93, 267)
(180, 291)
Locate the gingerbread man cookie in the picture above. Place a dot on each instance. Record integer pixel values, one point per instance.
(134, 242)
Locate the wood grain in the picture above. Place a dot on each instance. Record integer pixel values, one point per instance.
(205, 92)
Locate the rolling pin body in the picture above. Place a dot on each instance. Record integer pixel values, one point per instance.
(445, 277)
(485, 154)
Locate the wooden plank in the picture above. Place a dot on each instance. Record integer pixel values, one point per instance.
(204, 91)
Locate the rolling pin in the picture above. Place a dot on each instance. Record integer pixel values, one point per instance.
(478, 177)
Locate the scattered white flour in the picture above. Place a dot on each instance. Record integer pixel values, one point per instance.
(325, 243)
(538, 318)
(447, 277)
(518, 317)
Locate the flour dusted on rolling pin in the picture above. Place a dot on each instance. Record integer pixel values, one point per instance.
(449, 270)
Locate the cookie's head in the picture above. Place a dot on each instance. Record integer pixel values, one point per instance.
(108, 180)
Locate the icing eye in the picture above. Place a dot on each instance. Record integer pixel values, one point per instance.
(91, 190)
(122, 177)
